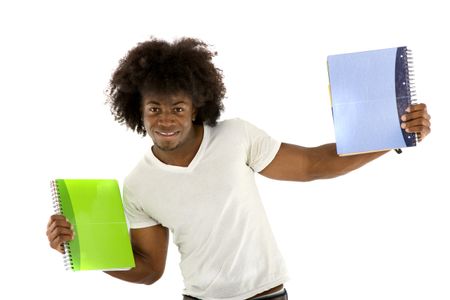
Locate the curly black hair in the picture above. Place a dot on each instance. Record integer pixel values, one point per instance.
(166, 68)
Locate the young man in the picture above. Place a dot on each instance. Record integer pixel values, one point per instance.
(197, 180)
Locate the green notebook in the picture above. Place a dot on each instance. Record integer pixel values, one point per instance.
(94, 208)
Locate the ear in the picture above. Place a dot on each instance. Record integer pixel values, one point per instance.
(194, 114)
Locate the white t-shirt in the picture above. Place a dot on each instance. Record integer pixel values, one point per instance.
(214, 211)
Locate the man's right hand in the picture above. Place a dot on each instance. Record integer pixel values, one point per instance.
(59, 231)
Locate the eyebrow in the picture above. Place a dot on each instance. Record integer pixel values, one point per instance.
(179, 102)
(159, 103)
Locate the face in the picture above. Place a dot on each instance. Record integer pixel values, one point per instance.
(168, 119)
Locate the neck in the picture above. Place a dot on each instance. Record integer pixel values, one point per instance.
(183, 155)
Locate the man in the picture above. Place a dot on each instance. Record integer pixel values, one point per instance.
(197, 180)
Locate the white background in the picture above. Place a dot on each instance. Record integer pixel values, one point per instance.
(381, 232)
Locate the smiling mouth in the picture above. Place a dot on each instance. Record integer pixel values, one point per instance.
(167, 133)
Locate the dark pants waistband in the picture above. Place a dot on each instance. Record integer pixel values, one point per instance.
(283, 296)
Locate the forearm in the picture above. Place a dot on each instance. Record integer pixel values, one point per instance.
(141, 273)
(297, 163)
(327, 164)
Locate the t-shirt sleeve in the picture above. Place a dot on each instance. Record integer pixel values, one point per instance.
(261, 148)
(134, 212)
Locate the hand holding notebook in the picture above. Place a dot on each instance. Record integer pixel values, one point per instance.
(59, 232)
(370, 92)
(90, 225)
(416, 119)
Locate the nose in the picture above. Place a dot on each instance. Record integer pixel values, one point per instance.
(166, 119)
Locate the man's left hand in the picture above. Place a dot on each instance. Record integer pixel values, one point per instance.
(417, 120)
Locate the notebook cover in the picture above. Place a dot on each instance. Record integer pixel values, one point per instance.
(369, 92)
(94, 208)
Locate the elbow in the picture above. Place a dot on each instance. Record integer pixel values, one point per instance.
(325, 163)
(313, 178)
(152, 278)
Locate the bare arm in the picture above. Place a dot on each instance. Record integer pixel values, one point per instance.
(149, 248)
(150, 252)
(299, 163)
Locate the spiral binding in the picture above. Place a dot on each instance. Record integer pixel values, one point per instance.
(410, 76)
(410, 81)
(67, 258)
(405, 89)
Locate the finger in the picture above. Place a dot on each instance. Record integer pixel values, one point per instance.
(419, 137)
(59, 227)
(59, 220)
(421, 132)
(417, 107)
(415, 115)
(58, 224)
(58, 242)
(60, 239)
(61, 235)
(55, 217)
(51, 236)
(59, 248)
(408, 126)
(60, 231)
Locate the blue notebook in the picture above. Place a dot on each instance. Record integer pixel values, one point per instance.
(369, 92)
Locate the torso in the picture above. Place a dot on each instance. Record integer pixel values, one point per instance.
(213, 209)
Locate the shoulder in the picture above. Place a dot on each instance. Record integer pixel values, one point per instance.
(237, 129)
(227, 135)
(234, 125)
(228, 129)
(135, 175)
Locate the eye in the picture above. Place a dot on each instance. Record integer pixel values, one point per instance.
(178, 109)
(153, 109)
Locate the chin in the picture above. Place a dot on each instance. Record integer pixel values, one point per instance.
(166, 147)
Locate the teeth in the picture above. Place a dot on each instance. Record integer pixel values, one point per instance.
(166, 133)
